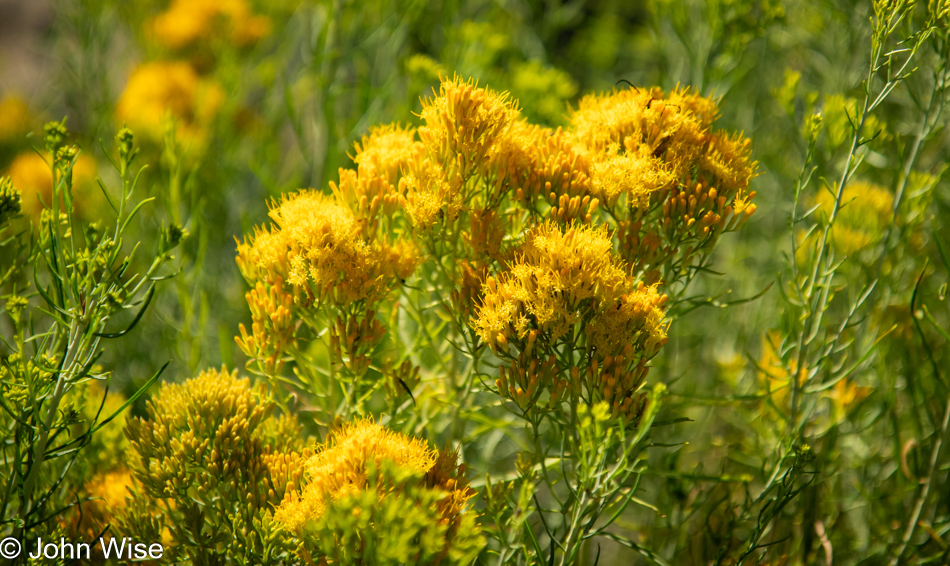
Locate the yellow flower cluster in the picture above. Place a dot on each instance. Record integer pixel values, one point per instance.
(187, 22)
(608, 209)
(374, 190)
(463, 123)
(162, 90)
(655, 152)
(352, 459)
(272, 326)
(109, 496)
(9, 201)
(561, 281)
(205, 435)
(556, 275)
(316, 248)
(387, 150)
(539, 163)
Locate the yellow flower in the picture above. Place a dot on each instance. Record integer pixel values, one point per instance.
(538, 164)
(111, 489)
(189, 21)
(14, 119)
(726, 161)
(843, 395)
(462, 124)
(839, 115)
(196, 432)
(773, 374)
(431, 196)
(544, 288)
(169, 89)
(343, 466)
(636, 174)
(9, 200)
(646, 140)
(635, 318)
(386, 151)
(30, 174)
(316, 247)
(560, 280)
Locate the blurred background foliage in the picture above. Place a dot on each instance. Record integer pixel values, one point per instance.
(237, 102)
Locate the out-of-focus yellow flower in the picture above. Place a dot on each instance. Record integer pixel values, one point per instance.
(343, 466)
(169, 89)
(865, 212)
(187, 22)
(774, 376)
(30, 174)
(110, 488)
(108, 494)
(840, 114)
(543, 91)
(843, 395)
(14, 119)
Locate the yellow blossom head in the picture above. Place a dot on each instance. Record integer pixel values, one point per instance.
(161, 90)
(557, 275)
(315, 246)
(386, 151)
(463, 122)
(187, 22)
(342, 465)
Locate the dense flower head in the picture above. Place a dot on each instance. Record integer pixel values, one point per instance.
(32, 176)
(539, 164)
(187, 22)
(169, 89)
(463, 122)
(315, 246)
(564, 280)
(635, 318)
(362, 475)
(386, 151)
(341, 466)
(644, 141)
(202, 436)
(431, 195)
(544, 288)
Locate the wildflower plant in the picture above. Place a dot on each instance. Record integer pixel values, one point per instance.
(558, 309)
(637, 333)
(66, 292)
